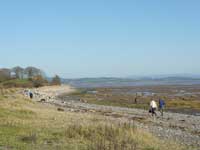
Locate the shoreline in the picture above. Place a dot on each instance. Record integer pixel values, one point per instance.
(52, 93)
(182, 128)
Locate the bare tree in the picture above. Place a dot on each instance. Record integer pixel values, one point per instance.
(32, 71)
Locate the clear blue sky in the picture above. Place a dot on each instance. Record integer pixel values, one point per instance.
(90, 38)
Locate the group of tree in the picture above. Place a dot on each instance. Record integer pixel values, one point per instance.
(20, 73)
(34, 75)
(4, 74)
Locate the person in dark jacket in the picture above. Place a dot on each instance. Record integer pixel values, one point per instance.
(31, 95)
(161, 106)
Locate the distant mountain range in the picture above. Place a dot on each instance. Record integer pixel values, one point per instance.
(186, 76)
(133, 81)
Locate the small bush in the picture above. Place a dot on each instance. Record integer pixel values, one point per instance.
(29, 139)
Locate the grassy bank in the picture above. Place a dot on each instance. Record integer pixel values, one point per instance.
(16, 83)
(26, 125)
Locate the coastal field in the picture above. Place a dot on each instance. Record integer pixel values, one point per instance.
(179, 98)
(27, 124)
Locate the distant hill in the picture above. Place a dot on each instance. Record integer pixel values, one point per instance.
(139, 81)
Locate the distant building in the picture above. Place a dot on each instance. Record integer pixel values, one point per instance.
(13, 74)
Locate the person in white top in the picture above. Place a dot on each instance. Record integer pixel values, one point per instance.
(153, 107)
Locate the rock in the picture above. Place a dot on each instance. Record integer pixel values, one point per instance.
(60, 109)
(182, 120)
(63, 102)
(72, 110)
(91, 110)
(42, 100)
(82, 100)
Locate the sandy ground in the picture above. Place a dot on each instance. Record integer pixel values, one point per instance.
(49, 93)
(56, 90)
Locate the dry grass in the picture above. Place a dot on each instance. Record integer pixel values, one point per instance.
(28, 125)
(111, 97)
(178, 103)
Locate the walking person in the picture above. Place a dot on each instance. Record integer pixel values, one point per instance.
(135, 100)
(161, 106)
(30, 95)
(153, 107)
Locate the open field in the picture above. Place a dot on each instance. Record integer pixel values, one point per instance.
(178, 98)
(26, 125)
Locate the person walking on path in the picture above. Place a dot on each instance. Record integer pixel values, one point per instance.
(135, 100)
(30, 95)
(161, 106)
(153, 107)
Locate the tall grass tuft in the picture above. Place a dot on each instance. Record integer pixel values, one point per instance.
(105, 136)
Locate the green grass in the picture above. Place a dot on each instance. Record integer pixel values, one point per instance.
(79, 92)
(18, 113)
(16, 83)
(26, 125)
(184, 104)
